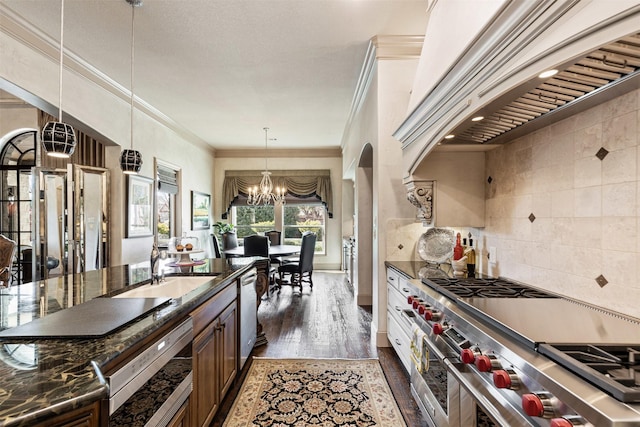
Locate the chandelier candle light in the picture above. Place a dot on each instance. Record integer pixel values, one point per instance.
(263, 194)
(130, 159)
(58, 138)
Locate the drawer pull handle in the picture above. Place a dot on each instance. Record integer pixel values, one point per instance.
(406, 290)
(398, 308)
(398, 342)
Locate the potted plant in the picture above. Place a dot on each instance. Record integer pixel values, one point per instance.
(228, 234)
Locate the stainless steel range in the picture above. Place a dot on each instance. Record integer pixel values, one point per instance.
(514, 355)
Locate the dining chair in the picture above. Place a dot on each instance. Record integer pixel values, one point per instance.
(274, 236)
(302, 270)
(7, 253)
(229, 241)
(216, 246)
(275, 239)
(256, 245)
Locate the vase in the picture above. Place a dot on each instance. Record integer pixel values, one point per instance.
(459, 266)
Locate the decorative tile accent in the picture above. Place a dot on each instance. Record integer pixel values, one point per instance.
(602, 153)
(489, 180)
(400, 246)
(532, 217)
(601, 281)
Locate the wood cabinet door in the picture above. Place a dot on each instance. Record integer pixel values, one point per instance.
(228, 345)
(205, 378)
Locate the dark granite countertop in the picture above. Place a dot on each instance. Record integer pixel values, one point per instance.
(420, 269)
(42, 378)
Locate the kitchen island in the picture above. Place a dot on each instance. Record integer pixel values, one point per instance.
(43, 378)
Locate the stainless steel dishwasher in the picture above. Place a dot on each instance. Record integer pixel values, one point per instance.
(248, 314)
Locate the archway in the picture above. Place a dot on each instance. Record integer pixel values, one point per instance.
(363, 286)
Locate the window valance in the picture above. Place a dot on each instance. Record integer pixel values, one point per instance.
(299, 184)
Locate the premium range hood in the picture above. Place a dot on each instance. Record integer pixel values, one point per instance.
(601, 75)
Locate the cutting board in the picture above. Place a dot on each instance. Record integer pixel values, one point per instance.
(94, 318)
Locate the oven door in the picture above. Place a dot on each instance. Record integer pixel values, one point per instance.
(484, 405)
(437, 391)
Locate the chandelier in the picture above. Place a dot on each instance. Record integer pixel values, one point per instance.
(264, 194)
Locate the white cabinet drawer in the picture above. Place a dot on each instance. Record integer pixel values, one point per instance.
(393, 277)
(399, 308)
(400, 342)
(406, 288)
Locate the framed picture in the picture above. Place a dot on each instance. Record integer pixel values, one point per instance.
(139, 206)
(200, 211)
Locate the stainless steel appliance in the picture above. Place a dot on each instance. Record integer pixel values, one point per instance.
(248, 314)
(520, 356)
(135, 387)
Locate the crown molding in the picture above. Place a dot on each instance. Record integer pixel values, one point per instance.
(280, 153)
(16, 27)
(398, 47)
(380, 48)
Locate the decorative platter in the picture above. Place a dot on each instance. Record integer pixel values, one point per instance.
(436, 245)
(432, 272)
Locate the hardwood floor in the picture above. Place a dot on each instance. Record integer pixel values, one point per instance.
(325, 323)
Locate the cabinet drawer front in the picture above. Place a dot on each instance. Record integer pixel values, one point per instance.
(400, 342)
(393, 277)
(406, 288)
(397, 306)
(208, 311)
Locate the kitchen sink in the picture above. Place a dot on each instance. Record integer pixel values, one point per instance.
(171, 287)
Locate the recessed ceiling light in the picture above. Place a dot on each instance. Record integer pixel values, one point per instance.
(477, 119)
(450, 136)
(548, 73)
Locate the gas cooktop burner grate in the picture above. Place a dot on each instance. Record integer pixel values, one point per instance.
(613, 368)
(484, 288)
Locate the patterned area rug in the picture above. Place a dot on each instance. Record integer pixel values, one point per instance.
(314, 392)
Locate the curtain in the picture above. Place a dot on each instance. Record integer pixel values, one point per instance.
(299, 184)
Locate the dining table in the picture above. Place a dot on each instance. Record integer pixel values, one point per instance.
(274, 251)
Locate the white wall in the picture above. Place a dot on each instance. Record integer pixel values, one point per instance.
(105, 108)
(333, 257)
(381, 113)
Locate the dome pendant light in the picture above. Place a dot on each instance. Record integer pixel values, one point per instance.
(130, 159)
(58, 138)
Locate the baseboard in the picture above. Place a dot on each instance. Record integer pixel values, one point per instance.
(380, 338)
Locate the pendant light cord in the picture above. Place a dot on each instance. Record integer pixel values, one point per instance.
(266, 168)
(133, 18)
(61, 59)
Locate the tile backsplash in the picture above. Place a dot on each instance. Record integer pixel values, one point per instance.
(562, 207)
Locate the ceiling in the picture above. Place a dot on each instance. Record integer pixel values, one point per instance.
(225, 69)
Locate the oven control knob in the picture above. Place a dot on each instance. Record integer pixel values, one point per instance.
(421, 309)
(561, 422)
(538, 404)
(503, 378)
(416, 303)
(438, 328)
(467, 355)
(428, 315)
(410, 299)
(486, 363)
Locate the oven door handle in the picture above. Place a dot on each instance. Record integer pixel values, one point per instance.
(486, 405)
(433, 349)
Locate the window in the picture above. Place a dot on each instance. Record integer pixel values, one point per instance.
(253, 220)
(166, 196)
(299, 218)
(166, 215)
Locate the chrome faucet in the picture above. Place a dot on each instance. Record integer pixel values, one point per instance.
(155, 261)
